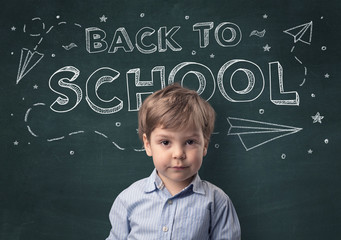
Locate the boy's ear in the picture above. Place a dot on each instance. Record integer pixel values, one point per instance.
(146, 144)
(205, 148)
(205, 151)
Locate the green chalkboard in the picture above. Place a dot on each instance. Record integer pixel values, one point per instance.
(74, 73)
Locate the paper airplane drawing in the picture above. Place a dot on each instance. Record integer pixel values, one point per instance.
(28, 60)
(302, 33)
(253, 134)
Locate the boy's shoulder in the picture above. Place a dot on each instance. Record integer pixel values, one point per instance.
(136, 188)
(213, 190)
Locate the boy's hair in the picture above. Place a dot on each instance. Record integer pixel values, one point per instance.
(175, 107)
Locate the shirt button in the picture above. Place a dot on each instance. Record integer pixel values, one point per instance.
(170, 202)
(165, 229)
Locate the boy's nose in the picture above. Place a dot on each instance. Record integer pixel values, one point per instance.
(179, 153)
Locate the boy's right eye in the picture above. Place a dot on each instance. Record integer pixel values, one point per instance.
(165, 142)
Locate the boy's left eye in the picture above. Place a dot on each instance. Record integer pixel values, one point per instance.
(190, 142)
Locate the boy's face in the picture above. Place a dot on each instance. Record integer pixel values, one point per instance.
(177, 155)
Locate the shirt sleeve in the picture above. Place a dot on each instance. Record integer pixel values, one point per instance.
(225, 223)
(119, 221)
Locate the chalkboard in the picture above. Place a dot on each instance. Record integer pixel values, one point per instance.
(74, 74)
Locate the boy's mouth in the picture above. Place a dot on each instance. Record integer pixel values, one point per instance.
(179, 167)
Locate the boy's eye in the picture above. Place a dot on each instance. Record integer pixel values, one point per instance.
(165, 143)
(190, 142)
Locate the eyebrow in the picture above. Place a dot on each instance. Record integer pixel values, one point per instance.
(195, 135)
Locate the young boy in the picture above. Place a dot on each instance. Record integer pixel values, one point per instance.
(175, 125)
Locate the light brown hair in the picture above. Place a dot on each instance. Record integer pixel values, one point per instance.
(175, 107)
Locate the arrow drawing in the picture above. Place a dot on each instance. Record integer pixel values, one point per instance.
(247, 130)
(28, 60)
(302, 33)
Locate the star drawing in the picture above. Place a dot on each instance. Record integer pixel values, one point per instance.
(266, 48)
(103, 18)
(317, 118)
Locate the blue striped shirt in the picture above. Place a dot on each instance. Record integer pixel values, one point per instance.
(147, 211)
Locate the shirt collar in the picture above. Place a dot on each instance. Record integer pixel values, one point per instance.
(197, 185)
(154, 182)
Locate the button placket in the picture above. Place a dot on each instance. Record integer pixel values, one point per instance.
(165, 229)
(168, 215)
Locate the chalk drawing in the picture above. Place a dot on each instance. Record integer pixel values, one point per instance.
(26, 118)
(203, 35)
(28, 60)
(140, 45)
(258, 33)
(61, 78)
(101, 134)
(219, 33)
(70, 46)
(31, 132)
(135, 85)
(202, 74)
(139, 150)
(302, 33)
(29, 110)
(56, 139)
(98, 78)
(118, 147)
(252, 72)
(74, 133)
(251, 133)
(236, 34)
(266, 132)
(294, 100)
(266, 48)
(103, 18)
(317, 118)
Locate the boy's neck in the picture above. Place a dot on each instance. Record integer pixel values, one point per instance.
(175, 187)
